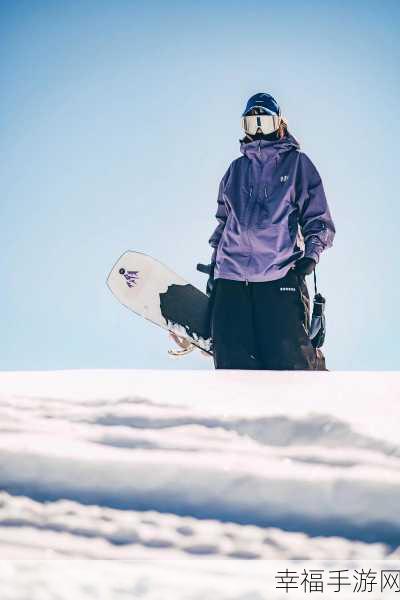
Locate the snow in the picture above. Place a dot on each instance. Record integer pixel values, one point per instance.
(207, 469)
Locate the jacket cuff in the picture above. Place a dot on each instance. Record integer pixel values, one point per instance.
(312, 251)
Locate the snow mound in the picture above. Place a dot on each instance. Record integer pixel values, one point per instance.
(220, 464)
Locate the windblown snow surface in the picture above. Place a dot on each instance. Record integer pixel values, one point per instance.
(187, 477)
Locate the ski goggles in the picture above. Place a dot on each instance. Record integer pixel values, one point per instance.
(267, 123)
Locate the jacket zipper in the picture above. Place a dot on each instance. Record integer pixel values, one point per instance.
(247, 233)
(251, 193)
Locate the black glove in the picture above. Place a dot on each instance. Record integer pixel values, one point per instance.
(305, 265)
(209, 270)
(210, 282)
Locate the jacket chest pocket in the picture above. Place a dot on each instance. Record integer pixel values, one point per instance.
(239, 200)
(262, 212)
(272, 207)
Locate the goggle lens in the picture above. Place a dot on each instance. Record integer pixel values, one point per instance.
(267, 123)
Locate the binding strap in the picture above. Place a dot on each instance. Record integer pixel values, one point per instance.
(315, 281)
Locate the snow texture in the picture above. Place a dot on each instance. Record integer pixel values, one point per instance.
(211, 468)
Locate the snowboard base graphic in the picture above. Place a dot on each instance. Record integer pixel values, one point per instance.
(152, 290)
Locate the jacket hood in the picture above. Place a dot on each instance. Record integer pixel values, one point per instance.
(263, 150)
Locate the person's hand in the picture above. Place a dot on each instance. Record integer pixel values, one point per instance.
(209, 270)
(210, 283)
(304, 266)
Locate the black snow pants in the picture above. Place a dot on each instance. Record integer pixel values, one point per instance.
(263, 325)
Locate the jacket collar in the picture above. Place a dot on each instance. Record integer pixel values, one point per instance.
(263, 150)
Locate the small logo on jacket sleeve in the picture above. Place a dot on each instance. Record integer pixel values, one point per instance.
(284, 178)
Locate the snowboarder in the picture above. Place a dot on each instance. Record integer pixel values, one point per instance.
(273, 224)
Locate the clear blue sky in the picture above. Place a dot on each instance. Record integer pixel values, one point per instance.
(118, 120)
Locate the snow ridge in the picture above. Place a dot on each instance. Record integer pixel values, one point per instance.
(190, 471)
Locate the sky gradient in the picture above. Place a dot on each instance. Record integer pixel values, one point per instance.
(118, 120)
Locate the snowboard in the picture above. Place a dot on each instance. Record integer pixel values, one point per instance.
(151, 290)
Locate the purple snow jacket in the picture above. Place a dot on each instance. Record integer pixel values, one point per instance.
(271, 211)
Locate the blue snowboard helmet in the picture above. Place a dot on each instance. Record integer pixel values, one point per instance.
(265, 101)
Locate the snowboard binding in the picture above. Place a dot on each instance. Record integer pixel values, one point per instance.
(186, 346)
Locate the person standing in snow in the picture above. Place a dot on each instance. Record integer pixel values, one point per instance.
(273, 224)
